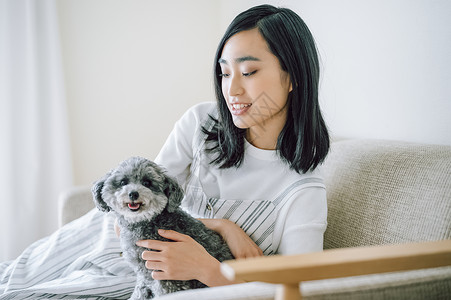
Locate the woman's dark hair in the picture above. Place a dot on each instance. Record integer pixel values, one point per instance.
(304, 141)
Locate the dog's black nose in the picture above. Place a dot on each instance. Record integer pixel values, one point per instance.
(133, 195)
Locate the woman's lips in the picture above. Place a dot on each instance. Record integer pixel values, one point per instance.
(239, 108)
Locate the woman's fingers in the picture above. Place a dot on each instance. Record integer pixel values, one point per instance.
(152, 244)
(152, 255)
(181, 258)
(154, 265)
(158, 271)
(174, 235)
(160, 245)
(159, 275)
(240, 244)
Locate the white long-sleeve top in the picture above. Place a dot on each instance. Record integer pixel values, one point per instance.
(301, 219)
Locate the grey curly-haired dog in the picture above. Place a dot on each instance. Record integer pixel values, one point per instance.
(144, 200)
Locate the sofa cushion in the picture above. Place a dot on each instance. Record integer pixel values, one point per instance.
(387, 192)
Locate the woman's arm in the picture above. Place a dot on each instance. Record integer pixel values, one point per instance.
(302, 223)
(241, 245)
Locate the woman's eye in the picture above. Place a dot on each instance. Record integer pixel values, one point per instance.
(224, 75)
(247, 74)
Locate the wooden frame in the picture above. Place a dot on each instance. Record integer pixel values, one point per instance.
(290, 270)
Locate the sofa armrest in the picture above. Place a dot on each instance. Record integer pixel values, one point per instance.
(291, 270)
(74, 203)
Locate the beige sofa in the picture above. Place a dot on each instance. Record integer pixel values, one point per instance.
(379, 192)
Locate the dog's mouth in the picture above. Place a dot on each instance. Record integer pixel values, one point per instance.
(134, 206)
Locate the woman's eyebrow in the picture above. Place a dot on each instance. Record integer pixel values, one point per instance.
(240, 59)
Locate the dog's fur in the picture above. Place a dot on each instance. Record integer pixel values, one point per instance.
(144, 200)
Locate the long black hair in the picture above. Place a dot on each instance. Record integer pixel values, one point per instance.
(304, 141)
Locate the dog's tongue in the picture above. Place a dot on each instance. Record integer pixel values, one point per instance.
(134, 206)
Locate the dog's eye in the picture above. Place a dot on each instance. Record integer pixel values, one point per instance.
(123, 182)
(147, 183)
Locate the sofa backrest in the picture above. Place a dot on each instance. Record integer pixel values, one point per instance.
(382, 192)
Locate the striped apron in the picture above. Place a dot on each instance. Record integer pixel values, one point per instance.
(256, 217)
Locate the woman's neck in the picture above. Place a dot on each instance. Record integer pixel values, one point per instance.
(261, 140)
(264, 135)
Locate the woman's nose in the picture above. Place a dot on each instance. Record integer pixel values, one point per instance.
(235, 87)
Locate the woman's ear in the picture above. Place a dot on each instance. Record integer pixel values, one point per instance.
(174, 193)
(97, 194)
(291, 83)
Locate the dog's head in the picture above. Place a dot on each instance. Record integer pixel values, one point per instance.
(137, 189)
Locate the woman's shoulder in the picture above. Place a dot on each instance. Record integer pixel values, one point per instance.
(294, 181)
(196, 116)
(201, 110)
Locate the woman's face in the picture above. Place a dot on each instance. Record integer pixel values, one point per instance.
(255, 87)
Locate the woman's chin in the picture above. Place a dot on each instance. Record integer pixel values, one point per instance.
(239, 122)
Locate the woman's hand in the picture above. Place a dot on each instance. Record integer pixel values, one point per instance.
(182, 259)
(241, 245)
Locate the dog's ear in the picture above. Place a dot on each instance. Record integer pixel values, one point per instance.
(174, 193)
(97, 194)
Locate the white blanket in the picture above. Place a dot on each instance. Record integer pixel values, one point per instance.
(82, 260)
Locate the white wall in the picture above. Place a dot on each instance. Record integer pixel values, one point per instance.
(133, 67)
(386, 65)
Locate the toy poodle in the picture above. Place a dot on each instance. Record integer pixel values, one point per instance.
(145, 199)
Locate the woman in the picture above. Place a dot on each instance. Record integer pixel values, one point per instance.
(248, 165)
(248, 162)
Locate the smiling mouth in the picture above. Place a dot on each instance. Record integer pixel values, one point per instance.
(238, 109)
(134, 206)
